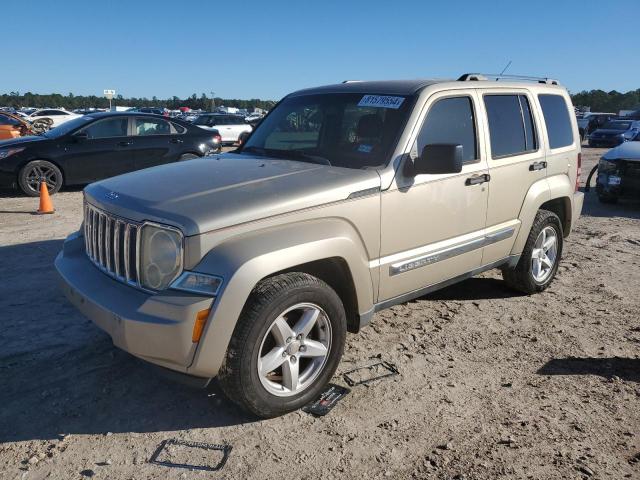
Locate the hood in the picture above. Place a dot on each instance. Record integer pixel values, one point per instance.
(21, 140)
(629, 151)
(210, 193)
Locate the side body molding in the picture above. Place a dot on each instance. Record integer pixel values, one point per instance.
(244, 260)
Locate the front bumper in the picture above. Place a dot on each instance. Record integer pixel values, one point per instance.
(605, 142)
(154, 327)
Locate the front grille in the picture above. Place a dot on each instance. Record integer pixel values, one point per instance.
(112, 244)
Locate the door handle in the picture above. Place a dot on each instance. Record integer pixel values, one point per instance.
(478, 179)
(124, 144)
(537, 166)
(176, 140)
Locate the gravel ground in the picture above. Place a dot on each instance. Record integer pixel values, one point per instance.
(491, 385)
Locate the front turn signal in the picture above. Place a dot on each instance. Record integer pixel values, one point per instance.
(198, 326)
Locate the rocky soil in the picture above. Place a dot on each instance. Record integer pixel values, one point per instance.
(491, 384)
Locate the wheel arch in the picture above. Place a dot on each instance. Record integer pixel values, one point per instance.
(329, 249)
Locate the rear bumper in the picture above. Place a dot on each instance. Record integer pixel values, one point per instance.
(154, 327)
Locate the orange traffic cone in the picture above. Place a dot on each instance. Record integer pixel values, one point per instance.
(46, 206)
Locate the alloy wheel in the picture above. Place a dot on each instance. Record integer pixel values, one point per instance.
(544, 254)
(294, 350)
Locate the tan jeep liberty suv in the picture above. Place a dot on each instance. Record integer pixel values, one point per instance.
(251, 266)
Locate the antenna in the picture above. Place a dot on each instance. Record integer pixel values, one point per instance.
(505, 68)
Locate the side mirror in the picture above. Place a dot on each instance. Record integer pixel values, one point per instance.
(438, 158)
(81, 137)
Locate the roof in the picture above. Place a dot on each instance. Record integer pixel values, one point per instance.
(390, 87)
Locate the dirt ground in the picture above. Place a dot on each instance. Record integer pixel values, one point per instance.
(491, 384)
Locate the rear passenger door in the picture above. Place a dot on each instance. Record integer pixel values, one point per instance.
(516, 161)
(156, 142)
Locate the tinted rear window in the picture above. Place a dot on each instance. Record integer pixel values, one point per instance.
(511, 126)
(556, 116)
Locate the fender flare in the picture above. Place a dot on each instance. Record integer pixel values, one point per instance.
(542, 191)
(243, 261)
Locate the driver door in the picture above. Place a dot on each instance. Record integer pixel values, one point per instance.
(432, 226)
(106, 152)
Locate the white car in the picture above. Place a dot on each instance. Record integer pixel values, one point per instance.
(252, 117)
(57, 115)
(230, 127)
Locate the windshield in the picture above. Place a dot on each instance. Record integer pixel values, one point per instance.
(617, 125)
(67, 127)
(351, 130)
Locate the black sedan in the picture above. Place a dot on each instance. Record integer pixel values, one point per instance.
(97, 146)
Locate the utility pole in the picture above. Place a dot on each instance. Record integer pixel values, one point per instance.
(213, 101)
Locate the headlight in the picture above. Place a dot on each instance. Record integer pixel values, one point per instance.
(160, 256)
(9, 152)
(198, 283)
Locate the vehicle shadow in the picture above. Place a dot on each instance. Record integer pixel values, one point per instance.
(624, 368)
(61, 374)
(476, 288)
(624, 208)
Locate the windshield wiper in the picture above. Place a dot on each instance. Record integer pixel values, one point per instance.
(299, 155)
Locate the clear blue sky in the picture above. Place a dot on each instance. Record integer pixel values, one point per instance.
(265, 49)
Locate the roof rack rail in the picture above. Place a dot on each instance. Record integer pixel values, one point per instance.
(351, 81)
(471, 77)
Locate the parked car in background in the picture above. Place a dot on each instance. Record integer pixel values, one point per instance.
(615, 132)
(12, 126)
(97, 146)
(57, 115)
(619, 173)
(155, 111)
(229, 126)
(592, 121)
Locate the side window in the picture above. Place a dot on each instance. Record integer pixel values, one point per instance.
(152, 126)
(111, 127)
(451, 120)
(511, 126)
(556, 116)
(178, 128)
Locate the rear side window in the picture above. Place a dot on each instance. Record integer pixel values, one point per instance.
(511, 126)
(556, 116)
(451, 120)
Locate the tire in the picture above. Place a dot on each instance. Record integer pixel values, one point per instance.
(28, 178)
(523, 277)
(607, 199)
(187, 156)
(265, 394)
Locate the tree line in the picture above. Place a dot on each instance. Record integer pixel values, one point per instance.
(71, 101)
(598, 100)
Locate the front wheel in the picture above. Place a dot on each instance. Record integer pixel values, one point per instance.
(286, 345)
(539, 261)
(37, 171)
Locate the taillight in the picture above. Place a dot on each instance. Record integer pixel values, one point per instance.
(217, 139)
(578, 171)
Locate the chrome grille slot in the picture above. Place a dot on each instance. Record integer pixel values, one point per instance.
(111, 243)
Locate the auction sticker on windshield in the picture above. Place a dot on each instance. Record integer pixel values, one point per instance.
(381, 101)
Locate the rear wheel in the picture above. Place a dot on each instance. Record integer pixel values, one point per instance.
(286, 345)
(539, 261)
(36, 171)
